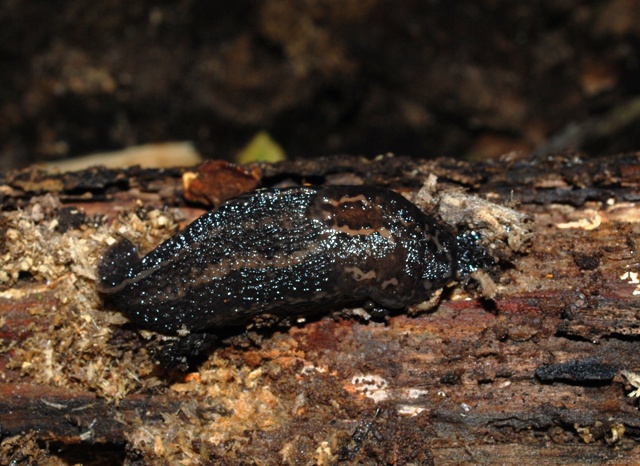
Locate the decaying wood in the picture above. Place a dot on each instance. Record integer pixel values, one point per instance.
(540, 375)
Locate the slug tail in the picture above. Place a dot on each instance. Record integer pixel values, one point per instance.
(116, 266)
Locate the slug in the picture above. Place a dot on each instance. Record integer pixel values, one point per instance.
(277, 253)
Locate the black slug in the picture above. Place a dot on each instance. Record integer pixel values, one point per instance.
(284, 252)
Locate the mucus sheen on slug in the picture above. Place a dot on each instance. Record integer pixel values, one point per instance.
(283, 252)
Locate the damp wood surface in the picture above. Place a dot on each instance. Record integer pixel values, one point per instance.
(540, 375)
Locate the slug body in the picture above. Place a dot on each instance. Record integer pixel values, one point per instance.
(283, 252)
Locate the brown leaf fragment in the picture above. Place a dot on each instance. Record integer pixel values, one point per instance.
(218, 180)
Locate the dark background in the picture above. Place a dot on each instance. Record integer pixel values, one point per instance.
(425, 78)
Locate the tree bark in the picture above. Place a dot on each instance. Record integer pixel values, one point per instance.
(541, 374)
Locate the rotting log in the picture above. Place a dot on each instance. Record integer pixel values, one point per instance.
(539, 375)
